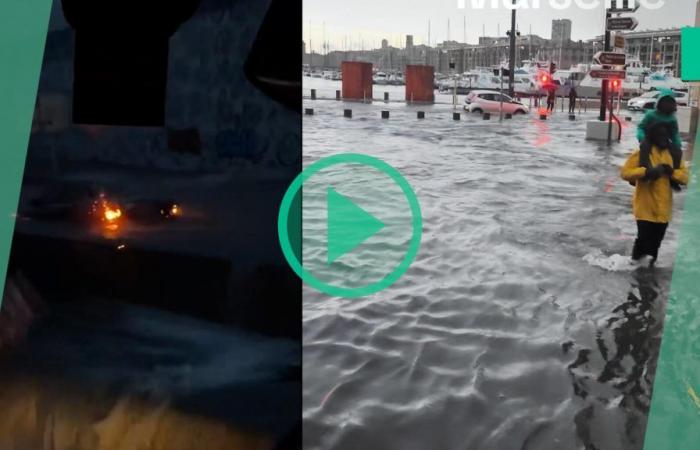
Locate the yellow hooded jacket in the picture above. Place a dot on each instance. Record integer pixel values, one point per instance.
(653, 200)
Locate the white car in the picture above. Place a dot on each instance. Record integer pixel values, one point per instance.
(648, 100)
(490, 102)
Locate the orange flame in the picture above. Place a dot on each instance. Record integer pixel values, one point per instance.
(110, 214)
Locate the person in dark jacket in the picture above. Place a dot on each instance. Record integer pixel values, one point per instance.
(551, 99)
(572, 100)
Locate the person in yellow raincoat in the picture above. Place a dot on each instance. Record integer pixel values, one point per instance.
(653, 195)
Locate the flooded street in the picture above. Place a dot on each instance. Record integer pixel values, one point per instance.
(520, 325)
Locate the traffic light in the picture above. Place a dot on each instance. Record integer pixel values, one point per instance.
(615, 85)
(544, 78)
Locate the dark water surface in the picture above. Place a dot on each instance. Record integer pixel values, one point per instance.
(233, 377)
(521, 324)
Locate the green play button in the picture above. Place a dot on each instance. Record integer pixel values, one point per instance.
(358, 230)
(348, 225)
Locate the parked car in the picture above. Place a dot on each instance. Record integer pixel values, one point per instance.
(490, 101)
(648, 100)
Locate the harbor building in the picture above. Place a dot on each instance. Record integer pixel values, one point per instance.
(656, 49)
(561, 30)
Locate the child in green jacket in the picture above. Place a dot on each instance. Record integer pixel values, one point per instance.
(665, 112)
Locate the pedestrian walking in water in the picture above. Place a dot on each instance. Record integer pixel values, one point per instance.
(572, 100)
(551, 100)
(653, 195)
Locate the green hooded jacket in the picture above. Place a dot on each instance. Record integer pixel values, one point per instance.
(655, 116)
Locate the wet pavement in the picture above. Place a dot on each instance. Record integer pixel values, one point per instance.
(521, 324)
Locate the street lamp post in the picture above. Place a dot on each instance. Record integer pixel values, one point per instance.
(511, 62)
(604, 90)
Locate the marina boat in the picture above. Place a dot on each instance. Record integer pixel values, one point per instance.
(397, 79)
(483, 78)
(592, 87)
(384, 78)
(380, 78)
(534, 71)
(648, 79)
(633, 86)
(660, 80)
(639, 79)
(566, 79)
(440, 81)
(331, 75)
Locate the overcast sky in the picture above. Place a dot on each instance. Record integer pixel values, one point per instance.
(370, 21)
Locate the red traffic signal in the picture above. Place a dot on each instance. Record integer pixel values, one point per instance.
(615, 85)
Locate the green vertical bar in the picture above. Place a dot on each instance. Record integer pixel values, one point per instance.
(23, 26)
(690, 63)
(674, 418)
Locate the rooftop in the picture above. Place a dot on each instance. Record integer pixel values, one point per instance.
(661, 32)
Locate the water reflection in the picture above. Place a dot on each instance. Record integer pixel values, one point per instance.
(627, 347)
(542, 136)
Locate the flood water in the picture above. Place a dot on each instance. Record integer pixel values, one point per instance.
(520, 325)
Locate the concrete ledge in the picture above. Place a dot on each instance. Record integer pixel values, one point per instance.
(266, 300)
(598, 131)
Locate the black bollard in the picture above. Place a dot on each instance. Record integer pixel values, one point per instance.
(309, 111)
(337, 95)
(386, 96)
(313, 94)
(456, 116)
(347, 113)
(421, 114)
(486, 116)
(385, 114)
